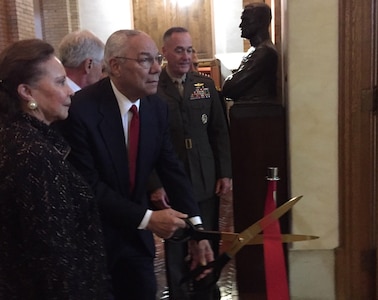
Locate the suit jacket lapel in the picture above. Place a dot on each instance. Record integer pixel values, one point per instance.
(111, 129)
(166, 84)
(147, 138)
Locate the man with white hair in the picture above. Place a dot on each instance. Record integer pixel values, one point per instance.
(82, 54)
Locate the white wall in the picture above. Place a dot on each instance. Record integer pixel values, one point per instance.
(37, 20)
(313, 95)
(313, 130)
(226, 26)
(228, 43)
(105, 17)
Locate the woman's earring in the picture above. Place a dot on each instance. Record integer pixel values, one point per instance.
(32, 105)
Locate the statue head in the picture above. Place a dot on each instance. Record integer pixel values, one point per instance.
(255, 21)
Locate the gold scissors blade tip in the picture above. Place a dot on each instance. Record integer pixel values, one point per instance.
(229, 237)
(248, 234)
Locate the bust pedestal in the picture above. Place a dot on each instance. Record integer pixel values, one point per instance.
(258, 141)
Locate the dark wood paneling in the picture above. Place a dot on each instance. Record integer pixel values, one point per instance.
(356, 255)
(258, 141)
(155, 17)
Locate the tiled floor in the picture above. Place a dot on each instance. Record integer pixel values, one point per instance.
(227, 280)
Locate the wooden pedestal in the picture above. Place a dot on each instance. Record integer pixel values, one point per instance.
(258, 141)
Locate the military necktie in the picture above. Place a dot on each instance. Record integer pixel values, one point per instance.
(180, 87)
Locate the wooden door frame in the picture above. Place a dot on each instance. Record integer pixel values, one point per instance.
(355, 257)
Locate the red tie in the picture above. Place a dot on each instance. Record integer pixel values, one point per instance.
(133, 144)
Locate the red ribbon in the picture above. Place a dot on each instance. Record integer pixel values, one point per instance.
(275, 267)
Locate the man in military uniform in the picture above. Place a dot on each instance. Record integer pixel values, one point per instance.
(200, 136)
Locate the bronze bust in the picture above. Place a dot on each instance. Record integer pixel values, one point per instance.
(256, 78)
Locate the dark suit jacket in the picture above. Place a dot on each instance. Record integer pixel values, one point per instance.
(95, 133)
(198, 117)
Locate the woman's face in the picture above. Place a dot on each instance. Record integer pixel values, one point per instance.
(51, 92)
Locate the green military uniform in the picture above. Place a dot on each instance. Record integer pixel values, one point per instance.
(200, 136)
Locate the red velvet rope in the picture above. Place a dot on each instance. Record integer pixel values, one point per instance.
(275, 267)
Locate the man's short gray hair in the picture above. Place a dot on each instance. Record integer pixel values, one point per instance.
(79, 45)
(117, 44)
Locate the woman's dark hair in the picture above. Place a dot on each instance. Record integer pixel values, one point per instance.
(20, 63)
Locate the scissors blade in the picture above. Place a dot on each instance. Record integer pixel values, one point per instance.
(259, 239)
(240, 241)
(248, 234)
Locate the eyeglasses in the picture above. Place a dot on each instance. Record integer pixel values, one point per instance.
(145, 62)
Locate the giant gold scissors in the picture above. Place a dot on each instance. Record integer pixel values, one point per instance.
(249, 236)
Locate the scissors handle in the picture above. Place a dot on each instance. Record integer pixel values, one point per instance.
(216, 265)
(190, 232)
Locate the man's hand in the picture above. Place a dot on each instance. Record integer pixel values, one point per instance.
(165, 222)
(160, 199)
(223, 186)
(200, 254)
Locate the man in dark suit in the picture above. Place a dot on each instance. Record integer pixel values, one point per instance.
(200, 136)
(99, 133)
